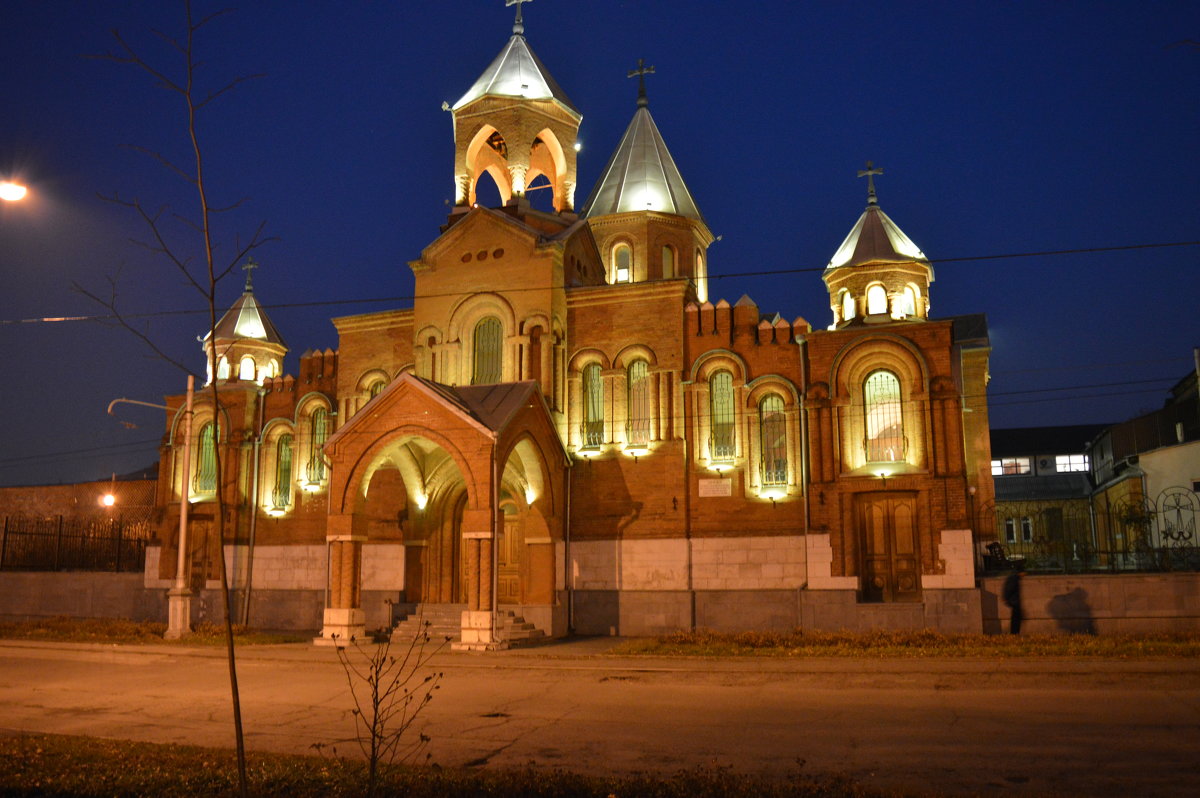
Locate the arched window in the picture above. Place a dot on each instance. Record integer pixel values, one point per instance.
(206, 460)
(223, 368)
(908, 301)
(377, 388)
(318, 431)
(721, 411)
(885, 419)
(593, 406)
(638, 384)
(772, 433)
(488, 355)
(246, 368)
(623, 262)
(701, 278)
(668, 263)
(847, 305)
(535, 355)
(281, 496)
(877, 299)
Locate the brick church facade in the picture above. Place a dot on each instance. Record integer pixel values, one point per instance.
(566, 426)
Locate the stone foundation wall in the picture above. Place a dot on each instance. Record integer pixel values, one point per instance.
(1100, 603)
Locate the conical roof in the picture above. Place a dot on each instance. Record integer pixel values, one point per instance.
(517, 72)
(247, 319)
(641, 176)
(875, 238)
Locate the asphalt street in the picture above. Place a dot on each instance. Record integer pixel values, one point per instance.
(1002, 727)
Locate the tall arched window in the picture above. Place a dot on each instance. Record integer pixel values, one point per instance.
(488, 356)
(593, 406)
(885, 419)
(701, 278)
(206, 460)
(623, 263)
(223, 368)
(773, 441)
(281, 496)
(877, 299)
(377, 388)
(668, 263)
(318, 431)
(246, 368)
(721, 411)
(638, 384)
(908, 301)
(847, 305)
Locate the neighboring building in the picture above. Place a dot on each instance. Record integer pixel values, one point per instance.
(567, 425)
(1147, 474)
(1043, 485)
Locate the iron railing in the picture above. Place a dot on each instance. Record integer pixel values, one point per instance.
(73, 544)
(1136, 534)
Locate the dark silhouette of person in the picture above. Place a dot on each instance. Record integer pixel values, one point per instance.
(1012, 599)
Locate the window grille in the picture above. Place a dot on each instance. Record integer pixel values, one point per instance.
(281, 496)
(885, 441)
(318, 430)
(488, 355)
(638, 383)
(206, 472)
(773, 441)
(722, 415)
(593, 406)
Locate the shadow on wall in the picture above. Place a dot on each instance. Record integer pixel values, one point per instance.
(1072, 612)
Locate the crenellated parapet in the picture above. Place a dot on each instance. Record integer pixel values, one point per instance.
(729, 326)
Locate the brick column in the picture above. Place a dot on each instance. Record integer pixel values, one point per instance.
(477, 619)
(343, 614)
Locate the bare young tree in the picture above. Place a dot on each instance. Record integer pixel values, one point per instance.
(203, 271)
(389, 691)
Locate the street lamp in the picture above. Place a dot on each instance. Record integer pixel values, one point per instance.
(12, 192)
(179, 597)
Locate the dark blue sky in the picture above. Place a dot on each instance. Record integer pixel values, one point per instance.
(1002, 128)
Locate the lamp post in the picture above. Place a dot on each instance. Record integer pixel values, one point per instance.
(179, 597)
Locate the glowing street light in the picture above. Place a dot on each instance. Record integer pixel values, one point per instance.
(12, 192)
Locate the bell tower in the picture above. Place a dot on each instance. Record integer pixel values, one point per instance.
(644, 219)
(515, 124)
(878, 274)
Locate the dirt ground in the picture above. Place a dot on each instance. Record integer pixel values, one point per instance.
(954, 727)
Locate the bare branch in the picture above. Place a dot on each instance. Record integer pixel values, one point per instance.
(228, 87)
(111, 305)
(162, 159)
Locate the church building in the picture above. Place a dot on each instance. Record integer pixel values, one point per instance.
(567, 432)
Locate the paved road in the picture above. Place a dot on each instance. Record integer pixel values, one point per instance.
(1024, 727)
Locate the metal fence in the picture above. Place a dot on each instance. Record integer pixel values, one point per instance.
(1137, 534)
(73, 544)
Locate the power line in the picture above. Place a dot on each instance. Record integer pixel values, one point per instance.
(734, 275)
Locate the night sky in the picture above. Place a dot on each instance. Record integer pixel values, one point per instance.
(1012, 127)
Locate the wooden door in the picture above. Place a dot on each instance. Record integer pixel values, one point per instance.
(890, 557)
(508, 561)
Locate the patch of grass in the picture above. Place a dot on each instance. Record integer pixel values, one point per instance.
(81, 766)
(912, 644)
(115, 630)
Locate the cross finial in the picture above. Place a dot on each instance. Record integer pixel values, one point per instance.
(642, 71)
(519, 24)
(869, 173)
(249, 267)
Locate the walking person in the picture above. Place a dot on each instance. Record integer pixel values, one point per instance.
(1011, 595)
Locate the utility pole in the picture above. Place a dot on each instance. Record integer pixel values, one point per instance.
(179, 597)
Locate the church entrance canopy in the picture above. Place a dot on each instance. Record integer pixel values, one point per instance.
(469, 479)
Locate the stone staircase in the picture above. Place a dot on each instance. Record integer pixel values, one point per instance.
(445, 620)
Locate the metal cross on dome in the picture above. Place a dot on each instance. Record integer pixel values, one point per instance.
(641, 72)
(869, 173)
(249, 267)
(519, 24)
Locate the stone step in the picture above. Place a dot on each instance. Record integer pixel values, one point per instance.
(442, 621)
